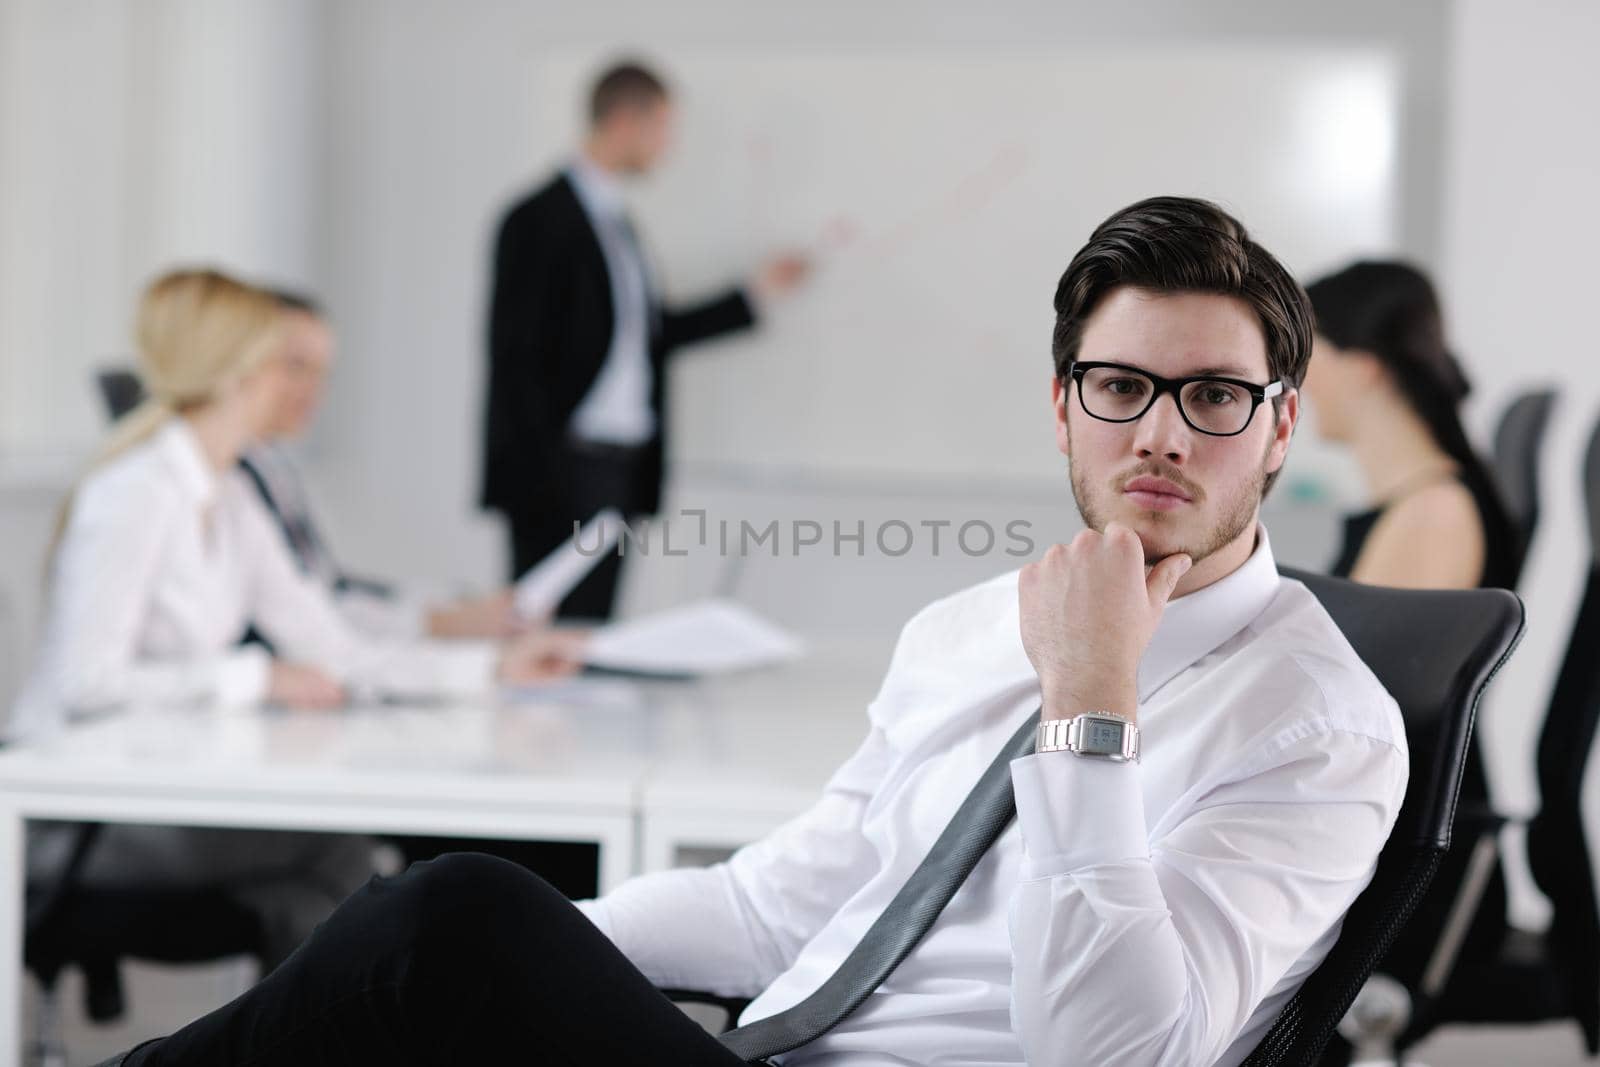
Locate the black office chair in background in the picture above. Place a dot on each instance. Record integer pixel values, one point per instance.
(1435, 651)
(1518, 441)
(119, 389)
(1555, 974)
(69, 924)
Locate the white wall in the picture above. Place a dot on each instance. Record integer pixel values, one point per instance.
(431, 130)
(942, 191)
(1521, 230)
(64, 73)
(133, 137)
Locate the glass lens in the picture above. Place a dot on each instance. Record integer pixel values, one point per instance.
(1115, 394)
(1216, 406)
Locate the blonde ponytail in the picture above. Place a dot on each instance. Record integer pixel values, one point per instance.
(197, 332)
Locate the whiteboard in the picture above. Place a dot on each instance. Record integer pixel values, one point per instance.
(943, 194)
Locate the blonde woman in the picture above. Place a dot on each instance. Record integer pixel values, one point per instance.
(162, 559)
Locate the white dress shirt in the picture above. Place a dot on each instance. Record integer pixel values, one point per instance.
(616, 409)
(159, 571)
(1157, 913)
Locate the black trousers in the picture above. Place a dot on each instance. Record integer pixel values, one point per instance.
(467, 959)
(591, 478)
(572, 868)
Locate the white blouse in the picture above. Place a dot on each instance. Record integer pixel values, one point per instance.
(162, 567)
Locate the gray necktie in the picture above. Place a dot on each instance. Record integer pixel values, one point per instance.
(633, 266)
(976, 825)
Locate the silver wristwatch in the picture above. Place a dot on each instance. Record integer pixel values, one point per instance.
(1100, 734)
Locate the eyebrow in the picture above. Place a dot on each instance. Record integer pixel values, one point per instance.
(1220, 370)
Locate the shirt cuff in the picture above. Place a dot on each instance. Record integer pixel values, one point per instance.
(242, 677)
(1077, 812)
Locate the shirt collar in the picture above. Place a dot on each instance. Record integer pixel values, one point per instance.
(182, 450)
(598, 189)
(1194, 625)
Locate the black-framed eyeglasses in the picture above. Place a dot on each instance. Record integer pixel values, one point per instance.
(1221, 407)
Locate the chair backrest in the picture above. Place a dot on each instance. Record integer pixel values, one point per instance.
(119, 390)
(1434, 651)
(1517, 442)
(1558, 852)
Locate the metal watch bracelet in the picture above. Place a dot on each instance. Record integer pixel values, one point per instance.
(1093, 734)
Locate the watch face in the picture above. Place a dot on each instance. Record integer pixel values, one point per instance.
(1102, 736)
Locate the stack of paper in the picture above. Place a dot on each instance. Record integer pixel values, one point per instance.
(706, 637)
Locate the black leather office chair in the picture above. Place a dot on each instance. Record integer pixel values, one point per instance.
(1435, 652)
(119, 389)
(1518, 439)
(70, 924)
(1556, 974)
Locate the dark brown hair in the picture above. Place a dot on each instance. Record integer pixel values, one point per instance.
(625, 84)
(1390, 309)
(1174, 244)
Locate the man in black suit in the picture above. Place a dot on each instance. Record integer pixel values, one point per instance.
(579, 339)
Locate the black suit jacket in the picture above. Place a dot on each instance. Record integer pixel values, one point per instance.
(550, 325)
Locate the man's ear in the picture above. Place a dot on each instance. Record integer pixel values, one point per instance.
(1283, 431)
(1058, 405)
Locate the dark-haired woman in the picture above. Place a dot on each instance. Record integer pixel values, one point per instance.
(1382, 381)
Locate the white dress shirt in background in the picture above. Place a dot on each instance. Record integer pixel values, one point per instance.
(159, 571)
(1157, 913)
(616, 409)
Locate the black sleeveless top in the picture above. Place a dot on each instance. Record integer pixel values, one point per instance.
(1502, 558)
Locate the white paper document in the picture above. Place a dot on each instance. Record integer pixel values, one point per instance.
(546, 584)
(706, 637)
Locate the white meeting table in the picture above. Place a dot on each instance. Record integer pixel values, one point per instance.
(721, 760)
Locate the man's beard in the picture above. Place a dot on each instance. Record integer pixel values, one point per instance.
(1237, 513)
